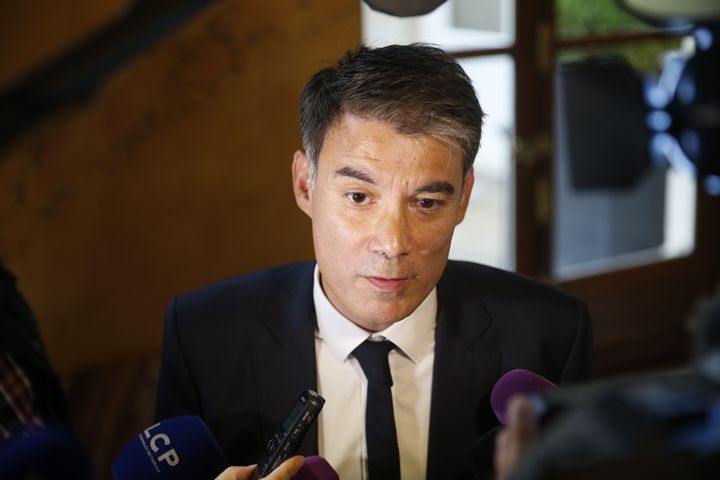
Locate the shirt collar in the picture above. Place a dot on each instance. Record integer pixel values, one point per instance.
(414, 335)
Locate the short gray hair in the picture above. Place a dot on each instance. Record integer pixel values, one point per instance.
(418, 88)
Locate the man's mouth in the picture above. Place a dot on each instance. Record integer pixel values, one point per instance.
(388, 284)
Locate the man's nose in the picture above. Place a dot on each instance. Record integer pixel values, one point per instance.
(392, 234)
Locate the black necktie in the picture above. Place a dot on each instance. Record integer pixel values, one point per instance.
(381, 437)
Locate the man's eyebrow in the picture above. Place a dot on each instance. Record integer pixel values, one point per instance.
(354, 173)
(437, 187)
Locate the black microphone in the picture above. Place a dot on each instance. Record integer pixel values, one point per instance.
(178, 448)
(404, 8)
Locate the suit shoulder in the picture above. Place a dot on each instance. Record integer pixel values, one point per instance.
(537, 326)
(252, 283)
(494, 284)
(247, 293)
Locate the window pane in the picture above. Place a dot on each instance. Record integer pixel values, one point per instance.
(455, 25)
(613, 206)
(487, 234)
(576, 18)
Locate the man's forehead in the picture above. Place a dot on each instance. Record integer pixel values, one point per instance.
(369, 136)
(392, 124)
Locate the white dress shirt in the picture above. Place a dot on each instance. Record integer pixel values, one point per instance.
(341, 381)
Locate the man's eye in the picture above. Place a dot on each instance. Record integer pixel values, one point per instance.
(428, 203)
(358, 197)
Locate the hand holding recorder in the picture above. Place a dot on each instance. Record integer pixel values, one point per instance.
(285, 471)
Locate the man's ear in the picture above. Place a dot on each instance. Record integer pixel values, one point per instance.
(467, 190)
(302, 181)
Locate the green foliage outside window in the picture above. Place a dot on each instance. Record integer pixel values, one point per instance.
(594, 17)
(577, 18)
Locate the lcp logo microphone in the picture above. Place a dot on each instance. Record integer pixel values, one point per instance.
(158, 448)
(155, 453)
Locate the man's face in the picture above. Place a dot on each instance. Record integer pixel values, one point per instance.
(383, 207)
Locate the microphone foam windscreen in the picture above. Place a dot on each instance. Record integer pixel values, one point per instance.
(512, 383)
(316, 468)
(178, 448)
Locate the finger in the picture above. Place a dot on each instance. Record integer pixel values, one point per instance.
(502, 445)
(516, 438)
(287, 469)
(522, 419)
(236, 473)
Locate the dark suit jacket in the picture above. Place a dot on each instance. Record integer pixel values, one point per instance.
(238, 354)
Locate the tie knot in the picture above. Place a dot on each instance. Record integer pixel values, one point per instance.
(373, 358)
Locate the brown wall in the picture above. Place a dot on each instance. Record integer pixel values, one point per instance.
(175, 175)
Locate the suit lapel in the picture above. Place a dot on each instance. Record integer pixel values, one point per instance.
(284, 359)
(466, 367)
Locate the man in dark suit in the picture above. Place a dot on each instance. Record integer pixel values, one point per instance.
(389, 136)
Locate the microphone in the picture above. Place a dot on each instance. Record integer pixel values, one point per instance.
(404, 8)
(177, 448)
(42, 454)
(316, 468)
(518, 381)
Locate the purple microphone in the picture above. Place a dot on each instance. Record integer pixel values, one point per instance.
(518, 381)
(316, 468)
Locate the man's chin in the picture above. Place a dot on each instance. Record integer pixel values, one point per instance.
(380, 316)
